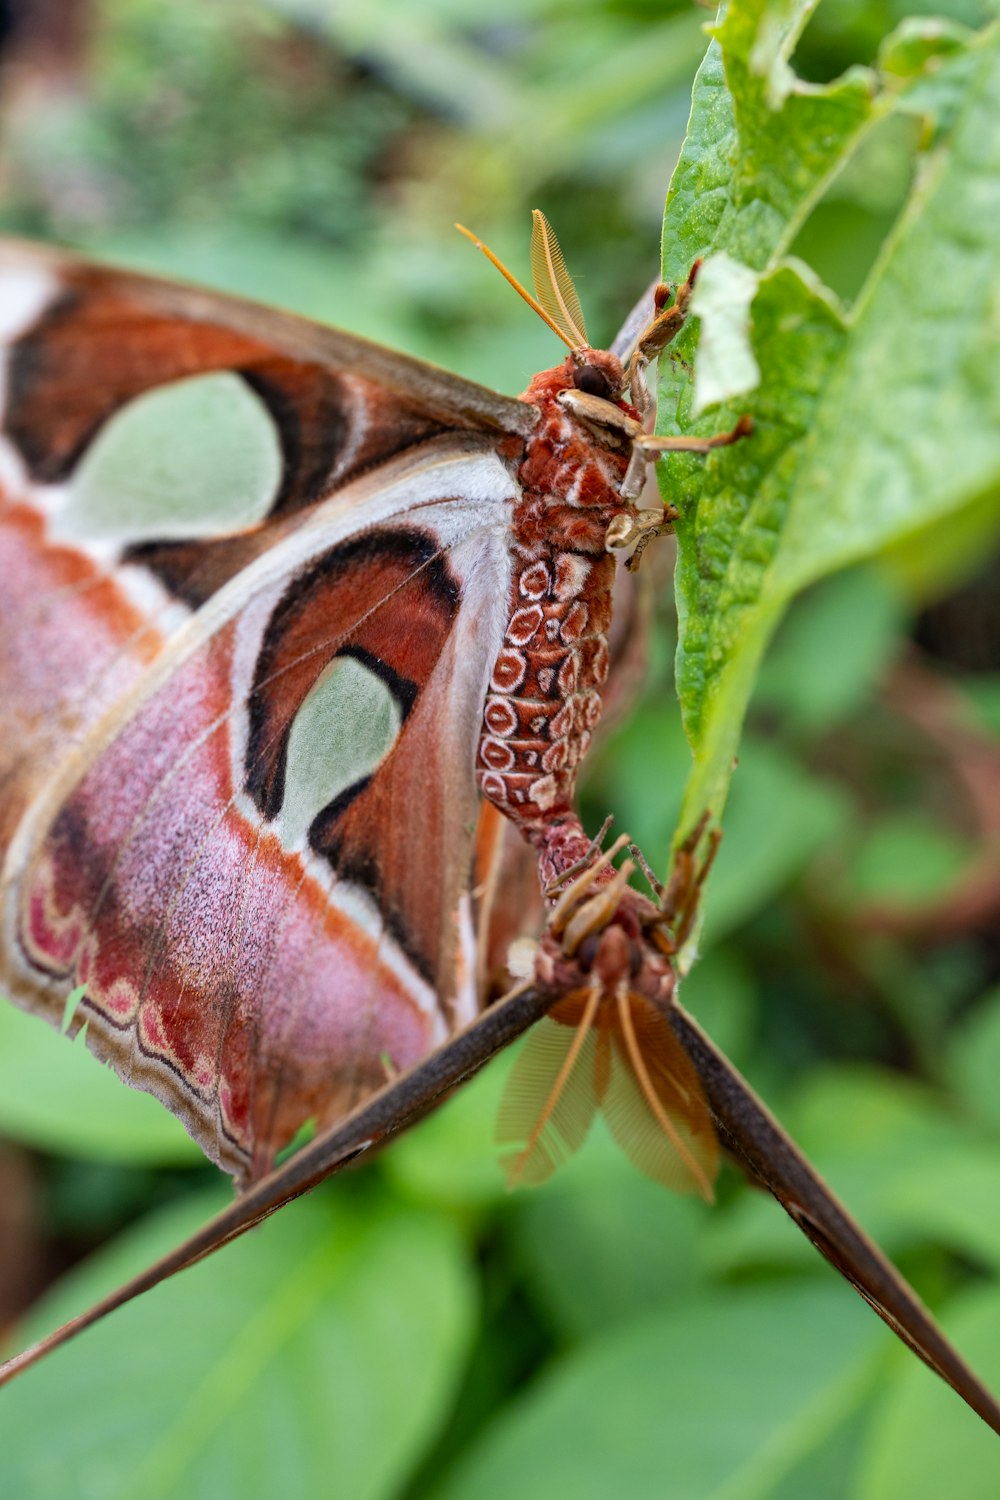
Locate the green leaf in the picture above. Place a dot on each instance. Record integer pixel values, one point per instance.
(729, 536)
(779, 817)
(55, 1095)
(830, 651)
(908, 860)
(868, 429)
(699, 1401)
(973, 1063)
(318, 1356)
(720, 992)
(594, 1253)
(926, 1444)
(761, 144)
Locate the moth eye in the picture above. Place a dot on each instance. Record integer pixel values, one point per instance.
(593, 381)
(196, 457)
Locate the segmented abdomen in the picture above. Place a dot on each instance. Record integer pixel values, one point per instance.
(545, 692)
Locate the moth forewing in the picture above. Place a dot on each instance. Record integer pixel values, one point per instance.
(34, 276)
(171, 831)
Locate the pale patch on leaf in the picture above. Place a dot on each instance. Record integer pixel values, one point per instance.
(725, 364)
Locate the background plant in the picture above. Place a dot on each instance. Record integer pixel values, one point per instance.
(412, 1331)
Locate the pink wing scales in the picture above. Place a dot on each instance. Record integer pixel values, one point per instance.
(63, 658)
(249, 984)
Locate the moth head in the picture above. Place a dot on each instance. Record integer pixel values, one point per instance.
(597, 372)
(597, 379)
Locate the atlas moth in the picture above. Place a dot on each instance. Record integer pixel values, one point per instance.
(291, 627)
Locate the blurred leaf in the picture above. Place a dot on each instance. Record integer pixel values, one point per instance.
(925, 1444)
(919, 44)
(954, 1196)
(705, 1400)
(779, 816)
(56, 1096)
(318, 1356)
(937, 559)
(198, 113)
(829, 652)
(828, 1471)
(639, 775)
(973, 1062)
(450, 1159)
(907, 859)
(595, 1252)
(721, 994)
(930, 58)
(541, 86)
(845, 230)
(864, 1108)
(984, 694)
(420, 51)
(308, 278)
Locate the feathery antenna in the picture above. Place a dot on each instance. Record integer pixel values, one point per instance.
(557, 304)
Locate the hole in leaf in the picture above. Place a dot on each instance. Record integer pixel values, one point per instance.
(846, 230)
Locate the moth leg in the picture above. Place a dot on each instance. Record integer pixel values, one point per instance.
(651, 447)
(640, 527)
(666, 324)
(647, 448)
(679, 901)
(596, 913)
(581, 886)
(664, 327)
(652, 879)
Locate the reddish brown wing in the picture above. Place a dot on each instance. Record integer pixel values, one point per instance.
(92, 594)
(230, 809)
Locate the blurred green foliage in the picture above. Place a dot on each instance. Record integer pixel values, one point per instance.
(413, 1331)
